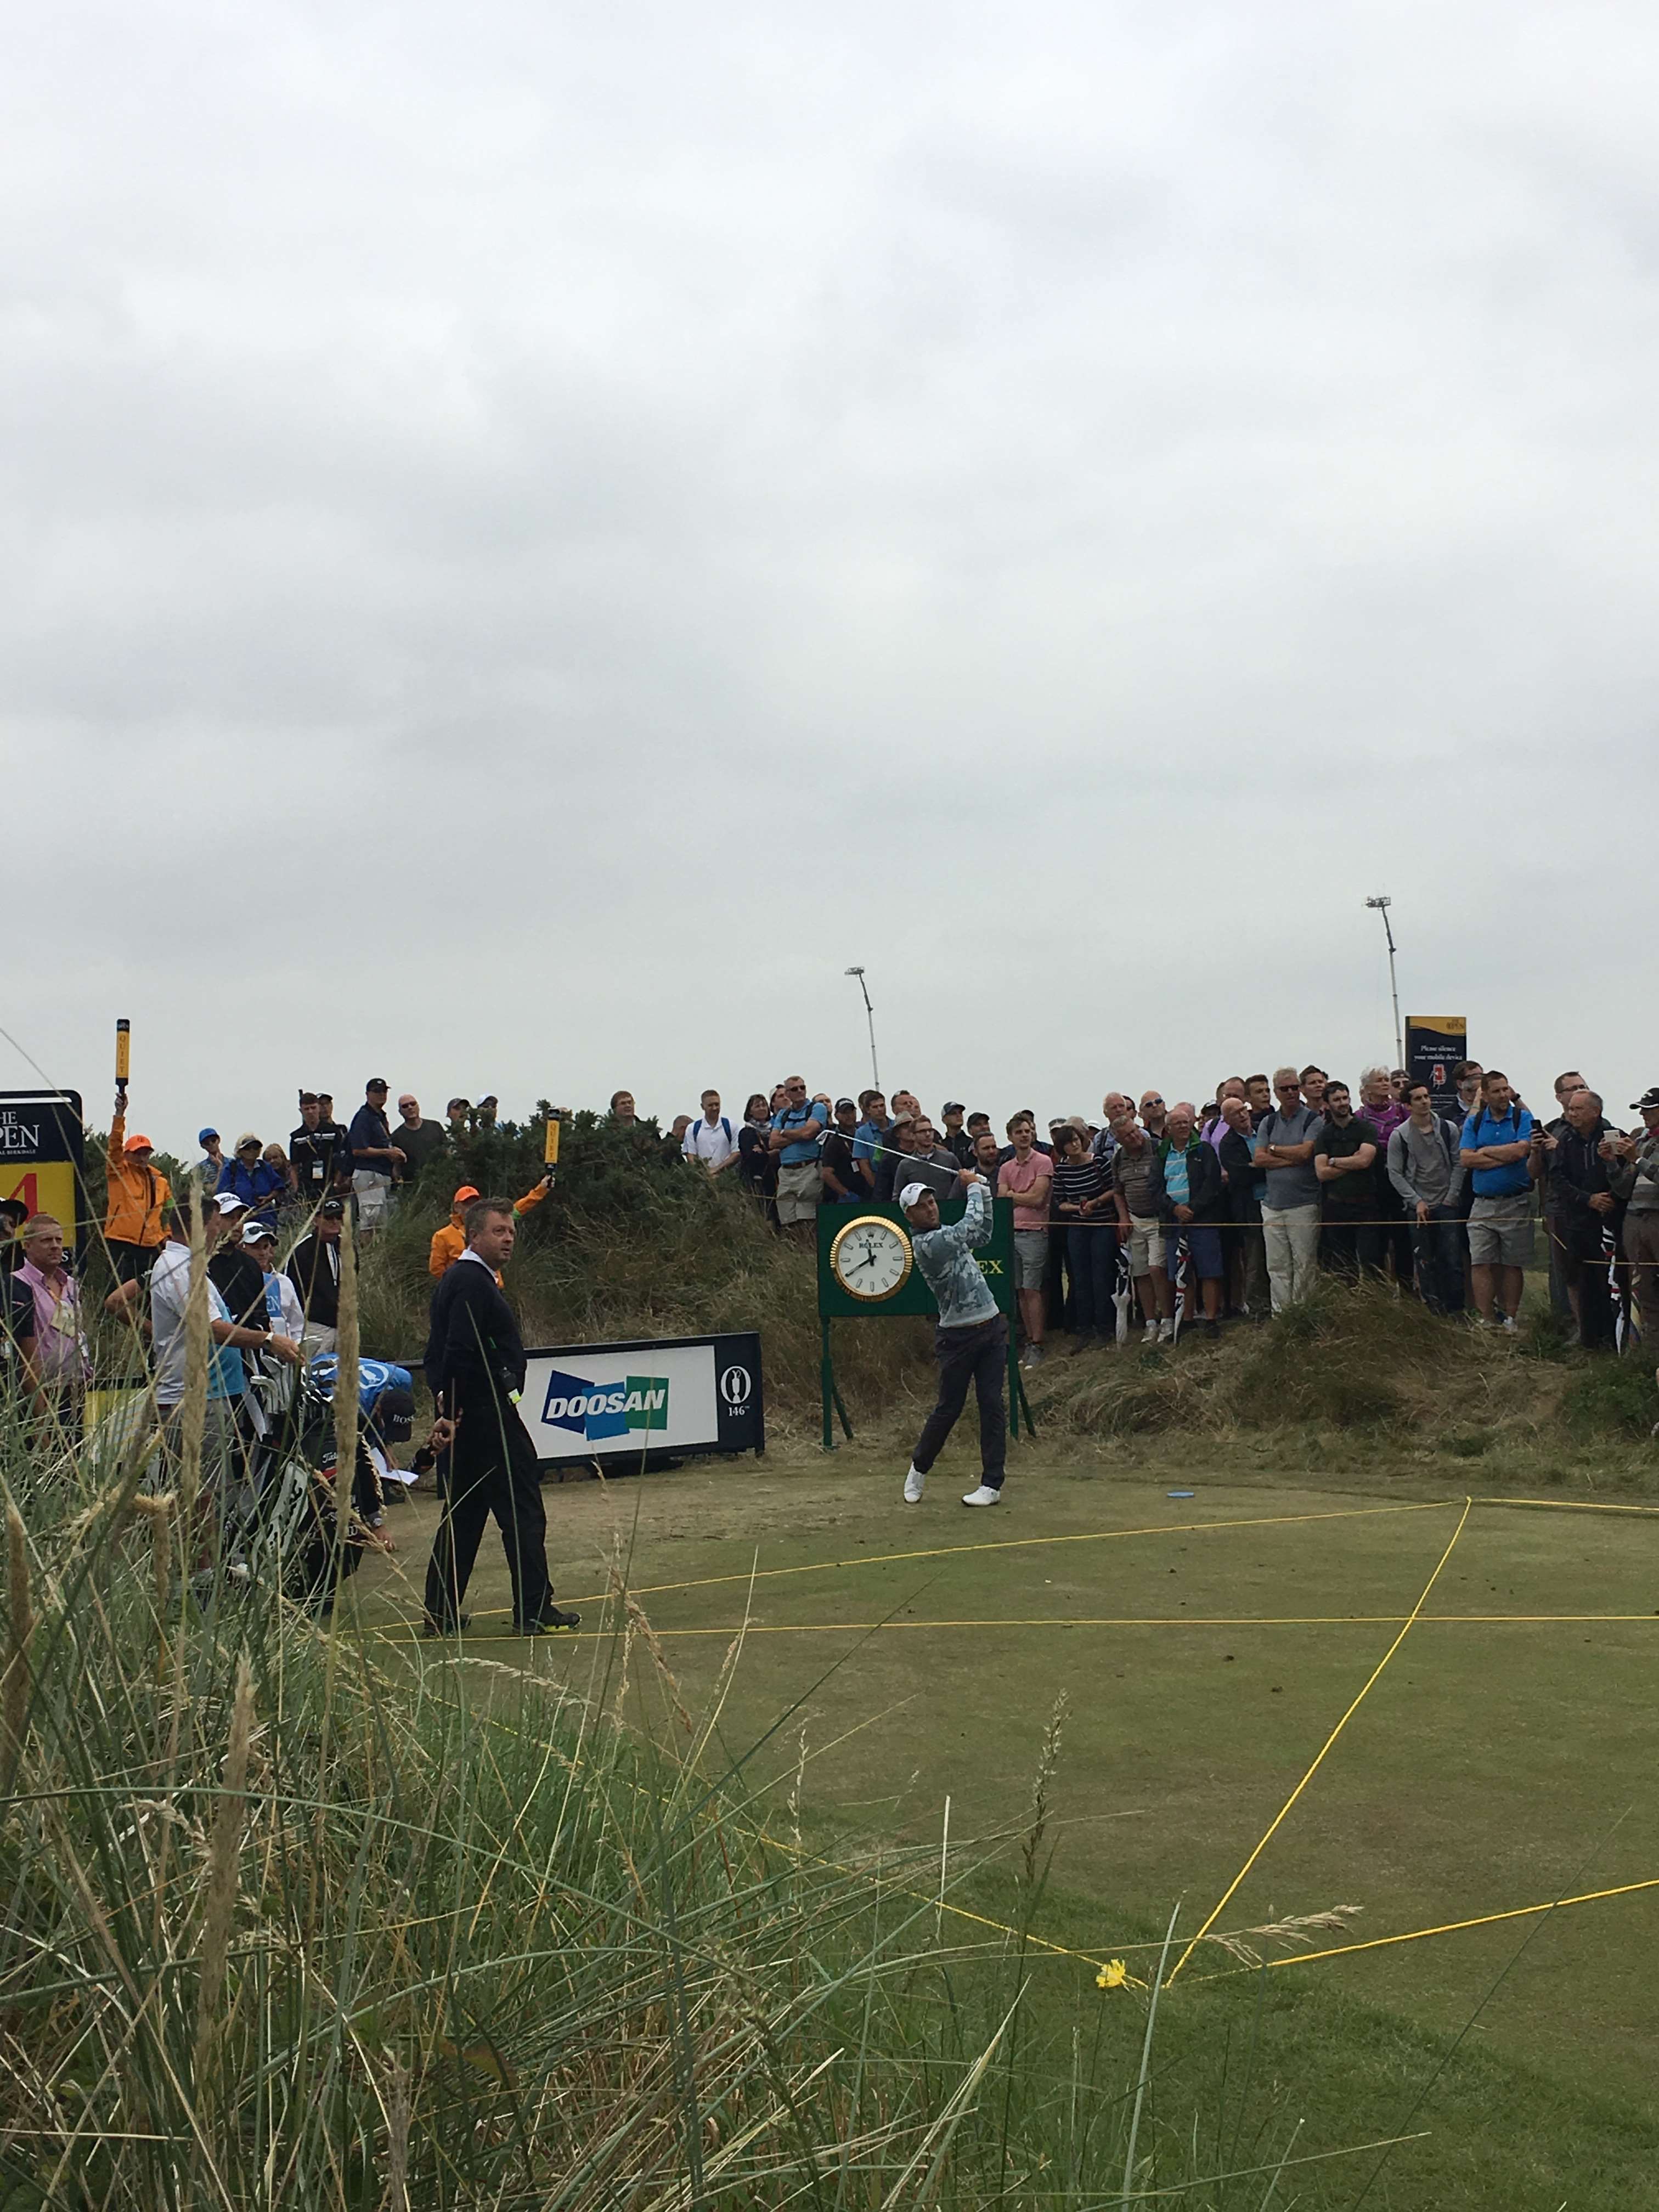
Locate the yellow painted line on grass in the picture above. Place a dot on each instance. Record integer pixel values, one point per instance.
(1373, 1676)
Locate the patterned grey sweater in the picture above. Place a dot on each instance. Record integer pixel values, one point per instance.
(945, 1257)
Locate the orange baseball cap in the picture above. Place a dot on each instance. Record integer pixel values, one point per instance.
(138, 1143)
(465, 1192)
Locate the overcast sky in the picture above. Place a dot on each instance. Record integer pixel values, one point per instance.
(535, 535)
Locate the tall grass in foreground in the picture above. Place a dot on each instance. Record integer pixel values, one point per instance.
(284, 1923)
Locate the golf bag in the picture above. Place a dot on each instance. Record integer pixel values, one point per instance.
(299, 1540)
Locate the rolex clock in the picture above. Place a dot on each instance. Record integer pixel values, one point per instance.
(871, 1258)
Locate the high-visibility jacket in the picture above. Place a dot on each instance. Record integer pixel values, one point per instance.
(450, 1242)
(137, 1196)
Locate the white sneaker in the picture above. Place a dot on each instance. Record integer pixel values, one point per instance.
(1509, 1328)
(982, 1496)
(913, 1483)
(1166, 1332)
(1149, 1335)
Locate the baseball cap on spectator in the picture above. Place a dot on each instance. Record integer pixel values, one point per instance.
(953, 1106)
(393, 1418)
(464, 1195)
(333, 1207)
(246, 1139)
(377, 1082)
(853, 1102)
(255, 1232)
(1648, 1101)
(204, 1136)
(462, 1103)
(138, 1143)
(229, 1203)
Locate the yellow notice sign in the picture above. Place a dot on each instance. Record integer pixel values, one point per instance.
(42, 1150)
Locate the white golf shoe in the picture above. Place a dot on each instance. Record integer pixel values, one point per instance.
(983, 1496)
(913, 1486)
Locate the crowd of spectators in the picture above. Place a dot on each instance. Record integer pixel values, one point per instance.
(1189, 1215)
(258, 1198)
(1232, 1210)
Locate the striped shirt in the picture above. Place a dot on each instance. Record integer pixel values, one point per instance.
(1077, 1180)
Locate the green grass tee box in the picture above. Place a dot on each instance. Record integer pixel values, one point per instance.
(1205, 1648)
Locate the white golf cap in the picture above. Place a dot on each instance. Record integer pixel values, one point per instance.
(912, 1193)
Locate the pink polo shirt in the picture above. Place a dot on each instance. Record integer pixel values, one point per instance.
(1033, 1182)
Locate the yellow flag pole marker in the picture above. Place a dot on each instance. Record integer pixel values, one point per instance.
(551, 1143)
(122, 1052)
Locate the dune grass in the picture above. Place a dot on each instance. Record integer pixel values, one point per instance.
(290, 1917)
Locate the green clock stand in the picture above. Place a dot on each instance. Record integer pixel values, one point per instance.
(866, 1272)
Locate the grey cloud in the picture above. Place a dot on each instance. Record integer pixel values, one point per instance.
(617, 514)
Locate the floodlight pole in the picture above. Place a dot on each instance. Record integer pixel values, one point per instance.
(869, 1016)
(1382, 906)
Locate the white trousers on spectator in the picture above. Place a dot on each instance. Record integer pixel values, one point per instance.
(374, 1196)
(1290, 1234)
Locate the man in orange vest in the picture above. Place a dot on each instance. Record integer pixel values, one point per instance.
(138, 1197)
(450, 1242)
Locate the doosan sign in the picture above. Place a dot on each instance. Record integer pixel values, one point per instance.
(597, 1410)
(626, 1403)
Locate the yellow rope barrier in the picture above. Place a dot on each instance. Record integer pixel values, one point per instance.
(1005, 1544)
(1136, 1621)
(1567, 1504)
(1446, 1928)
(1283, 1809)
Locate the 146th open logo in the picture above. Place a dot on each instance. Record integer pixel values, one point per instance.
(736, 1388)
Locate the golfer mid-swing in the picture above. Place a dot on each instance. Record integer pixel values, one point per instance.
(972, 1338)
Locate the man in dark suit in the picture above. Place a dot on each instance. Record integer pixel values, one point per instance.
(474, 1366)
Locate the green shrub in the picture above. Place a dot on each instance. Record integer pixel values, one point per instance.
(1611, 1397)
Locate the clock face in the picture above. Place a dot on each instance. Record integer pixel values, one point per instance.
(871, 1258)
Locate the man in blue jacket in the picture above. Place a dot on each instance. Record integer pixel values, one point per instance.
(971, 1340)
(1497, 1149)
